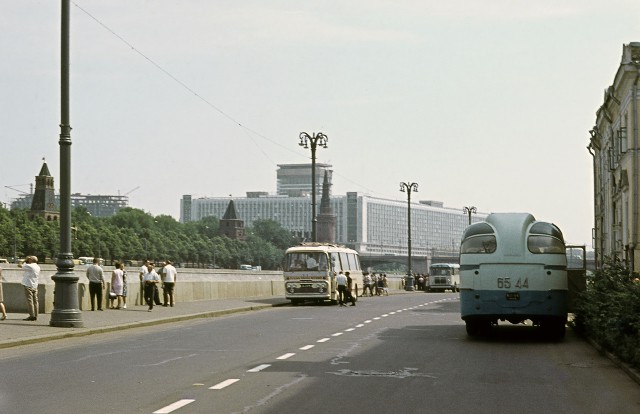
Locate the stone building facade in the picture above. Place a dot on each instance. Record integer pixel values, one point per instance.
(614, 147)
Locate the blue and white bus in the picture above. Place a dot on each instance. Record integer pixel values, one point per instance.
(310, 271)
(513, 268)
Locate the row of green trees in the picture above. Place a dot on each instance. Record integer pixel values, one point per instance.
(133, 234)
(608, 312)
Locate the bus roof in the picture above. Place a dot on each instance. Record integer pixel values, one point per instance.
(323, 247)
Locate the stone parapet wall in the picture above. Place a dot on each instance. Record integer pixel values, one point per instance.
(192, 285)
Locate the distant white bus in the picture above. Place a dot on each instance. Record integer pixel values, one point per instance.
(444, 276)
(85, 260)
(310, 268)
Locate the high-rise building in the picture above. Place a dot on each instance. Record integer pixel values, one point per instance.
(294, 180)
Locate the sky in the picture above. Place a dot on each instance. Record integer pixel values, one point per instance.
(482, 103)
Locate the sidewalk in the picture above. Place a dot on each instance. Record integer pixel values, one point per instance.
(14, 331)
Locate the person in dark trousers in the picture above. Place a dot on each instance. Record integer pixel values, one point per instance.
(341, 282)
(96, 283)
(150, 281)
(350, 295)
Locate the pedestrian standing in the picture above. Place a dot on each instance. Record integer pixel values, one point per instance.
(30, 283)
(156, 294)
(341, 282)
(143, 270)
(350, 295)
(169, 282)
(2, 308)
(117, 283)
(96, 283)
(151, 280)
(124, 286)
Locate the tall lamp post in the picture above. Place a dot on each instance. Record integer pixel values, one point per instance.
(408, 188)
(315, 140)
(66, 310)
(469, 211)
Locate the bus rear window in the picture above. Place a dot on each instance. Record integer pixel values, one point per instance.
(485, 243)
(540, 244)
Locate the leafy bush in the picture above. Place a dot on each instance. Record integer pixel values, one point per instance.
(608, 312)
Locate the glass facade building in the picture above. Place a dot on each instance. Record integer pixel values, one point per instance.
(370, 225)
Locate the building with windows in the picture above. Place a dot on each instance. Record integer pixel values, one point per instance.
(614, 147)
(294, 180)
(43, 202)
(371, 225)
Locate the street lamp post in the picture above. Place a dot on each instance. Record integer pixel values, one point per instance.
(469, 211)
(315, 140)
(408, 188)
(66, 310)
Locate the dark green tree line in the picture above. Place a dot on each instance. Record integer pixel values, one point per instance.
(135, 235)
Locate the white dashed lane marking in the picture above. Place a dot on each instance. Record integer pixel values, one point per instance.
(181, 403)
(286, 356)
(259, 368)
(224, 384)
(172, 407)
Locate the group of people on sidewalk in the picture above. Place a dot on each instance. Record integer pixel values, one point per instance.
(117, 295)
(149, 281)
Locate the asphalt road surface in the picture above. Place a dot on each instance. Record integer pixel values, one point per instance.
(396, 354)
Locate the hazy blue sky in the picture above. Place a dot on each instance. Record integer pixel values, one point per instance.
(483, 103)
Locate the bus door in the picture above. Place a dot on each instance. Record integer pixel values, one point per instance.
(576, 273)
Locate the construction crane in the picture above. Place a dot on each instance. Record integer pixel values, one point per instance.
(12, 187)
(131, 191)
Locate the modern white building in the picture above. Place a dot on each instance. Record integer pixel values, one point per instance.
(371, 225)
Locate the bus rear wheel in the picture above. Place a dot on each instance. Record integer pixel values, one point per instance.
(478, 327)
(554, 328)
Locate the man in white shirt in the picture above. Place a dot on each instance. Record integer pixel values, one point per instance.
(341, 281)
(30, 283)
(169, 281)
(96, 283)
(150, 280)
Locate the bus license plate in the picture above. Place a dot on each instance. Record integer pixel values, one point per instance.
(513, 295)
(306, 285)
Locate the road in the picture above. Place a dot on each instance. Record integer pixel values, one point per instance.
(401, 353)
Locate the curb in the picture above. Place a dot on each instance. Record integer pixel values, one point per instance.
(633, 373)
(113, 328)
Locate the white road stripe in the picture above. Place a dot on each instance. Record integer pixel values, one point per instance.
(259, 368)
(337, 334)
(350, 329)
(286, 356)
(323, 340)
(360, 325)
(224, 384)
(306, 347)
(172, 407)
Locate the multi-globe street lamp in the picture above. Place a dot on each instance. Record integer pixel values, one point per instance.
(314, 140)
(408, 188)
(469, 210)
